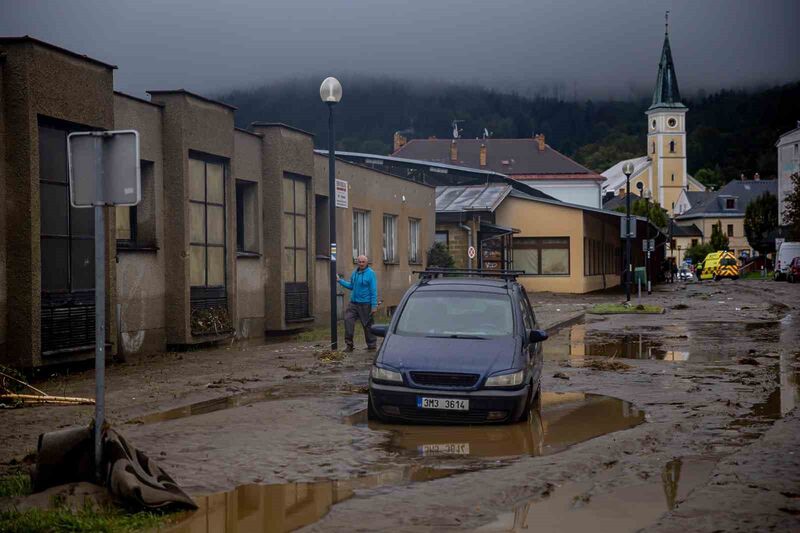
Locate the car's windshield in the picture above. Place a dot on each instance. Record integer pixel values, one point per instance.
(456, 314)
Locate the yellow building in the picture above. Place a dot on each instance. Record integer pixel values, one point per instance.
(663, 169)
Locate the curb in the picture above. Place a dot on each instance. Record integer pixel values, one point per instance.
(568, 321)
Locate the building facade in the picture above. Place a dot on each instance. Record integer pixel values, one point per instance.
(788, 147)
(225, 241)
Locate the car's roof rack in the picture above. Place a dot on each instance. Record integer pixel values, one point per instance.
(432, 273)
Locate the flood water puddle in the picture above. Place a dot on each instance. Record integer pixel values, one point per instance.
(584, 506)
(285, 507)
(565, 419)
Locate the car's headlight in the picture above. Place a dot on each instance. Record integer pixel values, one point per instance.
(506, 380)
(382, 374)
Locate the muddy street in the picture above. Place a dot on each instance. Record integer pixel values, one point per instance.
(685, 420)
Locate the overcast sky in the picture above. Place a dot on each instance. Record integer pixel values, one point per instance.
(592, 48)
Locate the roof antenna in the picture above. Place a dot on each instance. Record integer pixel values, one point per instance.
(666, 23)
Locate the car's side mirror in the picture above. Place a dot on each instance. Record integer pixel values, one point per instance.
(538, 335)
(379, 330)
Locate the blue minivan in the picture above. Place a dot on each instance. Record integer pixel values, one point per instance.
(465, 348)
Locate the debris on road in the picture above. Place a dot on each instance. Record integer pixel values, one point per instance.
(606, 364)
(330, 356)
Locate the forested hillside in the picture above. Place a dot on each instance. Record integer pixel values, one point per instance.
(730, 132)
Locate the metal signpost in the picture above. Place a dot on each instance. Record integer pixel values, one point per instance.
(103, 171)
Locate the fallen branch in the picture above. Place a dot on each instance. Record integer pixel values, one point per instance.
(58, 400)
(23, 383)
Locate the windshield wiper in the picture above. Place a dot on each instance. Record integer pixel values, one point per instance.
(455, 336)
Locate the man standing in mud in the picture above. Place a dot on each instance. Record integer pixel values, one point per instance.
(363, 302)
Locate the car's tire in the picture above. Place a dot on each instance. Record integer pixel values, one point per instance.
(735, 277)
(716, 278)
(537, 399)
(526, 410)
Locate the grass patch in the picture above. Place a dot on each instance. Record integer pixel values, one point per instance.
(87, 519)
(15, 485)
(616, 309)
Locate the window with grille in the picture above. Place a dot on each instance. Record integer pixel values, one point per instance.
(389, 238)
(730, 230)
(295, 229)
(206, 222)
(360, 233)
(413, 240)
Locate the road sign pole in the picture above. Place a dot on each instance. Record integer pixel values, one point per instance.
(99, 311)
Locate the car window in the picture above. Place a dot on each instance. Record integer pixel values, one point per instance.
(456, 313)
(728, 262)
(528, 306)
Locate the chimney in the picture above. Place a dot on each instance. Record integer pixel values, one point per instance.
(756, 177)
(483, 154)
(453, 151)
(540, 139)
(399, 141)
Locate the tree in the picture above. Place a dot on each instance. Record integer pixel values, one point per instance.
(719, 241)
(711, 178)
(639, 208)
(761, 223)
(791, 208)
(698, 252)
(439, 256)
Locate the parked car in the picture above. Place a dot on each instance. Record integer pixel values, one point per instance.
(718, 265)
(793, 274)
(462, 349)
(685, 274)
(786, 252)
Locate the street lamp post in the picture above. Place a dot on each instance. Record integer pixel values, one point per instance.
(647, 195)
(627, 169)
(331, 93)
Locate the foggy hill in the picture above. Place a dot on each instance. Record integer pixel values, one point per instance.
(730, 132)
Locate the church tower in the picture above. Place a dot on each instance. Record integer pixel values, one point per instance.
(666, 133)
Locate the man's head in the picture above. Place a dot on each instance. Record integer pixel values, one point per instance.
(362, 262)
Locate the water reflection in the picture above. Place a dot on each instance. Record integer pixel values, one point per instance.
(289, 506)
(572, 343)
(583, 506)
(565, 419)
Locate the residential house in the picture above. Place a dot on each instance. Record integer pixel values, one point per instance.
(788, 146)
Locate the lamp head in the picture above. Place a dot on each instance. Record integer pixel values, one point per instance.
(627, 169)
(330, 91)
(647, 194)
(640, 186)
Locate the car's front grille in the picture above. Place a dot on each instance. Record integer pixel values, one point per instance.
(435, 415)
(444, 379)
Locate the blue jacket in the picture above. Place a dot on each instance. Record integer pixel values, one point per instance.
(364, 285)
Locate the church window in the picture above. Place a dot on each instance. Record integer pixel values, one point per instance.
(672, 122)
(673, 177)
(654, 147)
(654, 123)
(672, 147)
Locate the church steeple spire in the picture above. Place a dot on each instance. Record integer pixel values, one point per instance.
(666, 93)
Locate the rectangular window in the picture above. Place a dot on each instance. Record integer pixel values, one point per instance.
(730, 230)
(694, 242)
(295, 228)
(673, 244)
(360, 233)
(544, 256)
(413, 241)
(442, 237)
(730, 203)
(322, 230)
(389, 238)
(206, 222)
(246, 216)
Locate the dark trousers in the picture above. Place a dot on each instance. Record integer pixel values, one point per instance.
(362, 313)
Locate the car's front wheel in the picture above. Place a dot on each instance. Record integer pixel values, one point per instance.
(372, 413)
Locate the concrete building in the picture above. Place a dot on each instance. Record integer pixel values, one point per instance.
(663, 169)
(223, 244)
(788, 147)
(530, 161)
(725, 208)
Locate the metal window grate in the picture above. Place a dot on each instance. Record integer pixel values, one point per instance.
(297, 307)
(67, 327)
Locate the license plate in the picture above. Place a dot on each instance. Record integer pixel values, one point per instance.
(447, 404)
(452, 448)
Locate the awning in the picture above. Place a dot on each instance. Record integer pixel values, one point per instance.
(491, 231)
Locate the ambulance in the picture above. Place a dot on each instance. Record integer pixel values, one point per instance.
(718, 265)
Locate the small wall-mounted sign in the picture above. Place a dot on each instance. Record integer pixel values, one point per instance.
(341, 194)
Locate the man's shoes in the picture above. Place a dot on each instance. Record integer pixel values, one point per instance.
(349, 348)
(371, 348)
